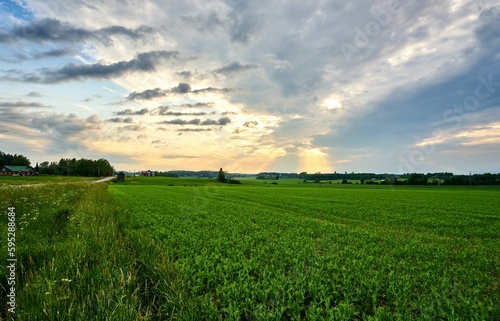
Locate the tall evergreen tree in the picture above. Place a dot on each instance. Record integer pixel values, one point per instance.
(221, 177)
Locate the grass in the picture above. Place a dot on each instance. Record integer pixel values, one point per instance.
(42, 179)
(158, 248)
(73, 263)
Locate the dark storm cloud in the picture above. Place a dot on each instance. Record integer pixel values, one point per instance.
(181, 88)
(143, 62)
(53, 30)
(233, 68)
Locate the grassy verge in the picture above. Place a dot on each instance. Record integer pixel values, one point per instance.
(73, 263)
(43, 179)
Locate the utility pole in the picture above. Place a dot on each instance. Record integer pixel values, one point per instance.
(470, 180)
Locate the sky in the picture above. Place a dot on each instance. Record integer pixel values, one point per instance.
(387, 86)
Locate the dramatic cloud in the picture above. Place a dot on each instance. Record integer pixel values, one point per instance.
(132, 128)
(196, 121)
(250, 123)
(194, 130)
(144, 62)
(21, 103)
(53, 30)
(178, 113)
(197, 105)
(129, 112)
(224, 121)
(53, 53)
(120, 120)
(166, 111)
(233, 68)
(181, 88)
(59, 132)
(148, 94)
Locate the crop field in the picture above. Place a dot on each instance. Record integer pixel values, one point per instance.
(191, 249)
(287, 253)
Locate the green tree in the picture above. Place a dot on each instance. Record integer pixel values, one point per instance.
(417, 179)
(221, 177)
(44, 168)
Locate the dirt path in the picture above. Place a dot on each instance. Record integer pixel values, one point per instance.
(105, 179)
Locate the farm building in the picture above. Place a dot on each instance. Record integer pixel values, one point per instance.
(147, 173)
(7, 170)
(120, 177)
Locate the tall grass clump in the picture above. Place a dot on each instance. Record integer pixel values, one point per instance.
(73, 263)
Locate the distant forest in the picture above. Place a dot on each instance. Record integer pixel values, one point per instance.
(65, 166)
(442, 178)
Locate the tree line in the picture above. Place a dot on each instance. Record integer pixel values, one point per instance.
(80, 167)
(14, 160)
(439, 178)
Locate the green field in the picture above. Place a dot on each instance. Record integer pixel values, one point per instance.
(192, 249)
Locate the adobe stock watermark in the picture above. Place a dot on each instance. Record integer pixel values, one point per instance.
(382, 18)
(11, 260)
(485, 87)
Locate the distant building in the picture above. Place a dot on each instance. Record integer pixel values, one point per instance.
(7, 170)
(120, 177)
(147, 173)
